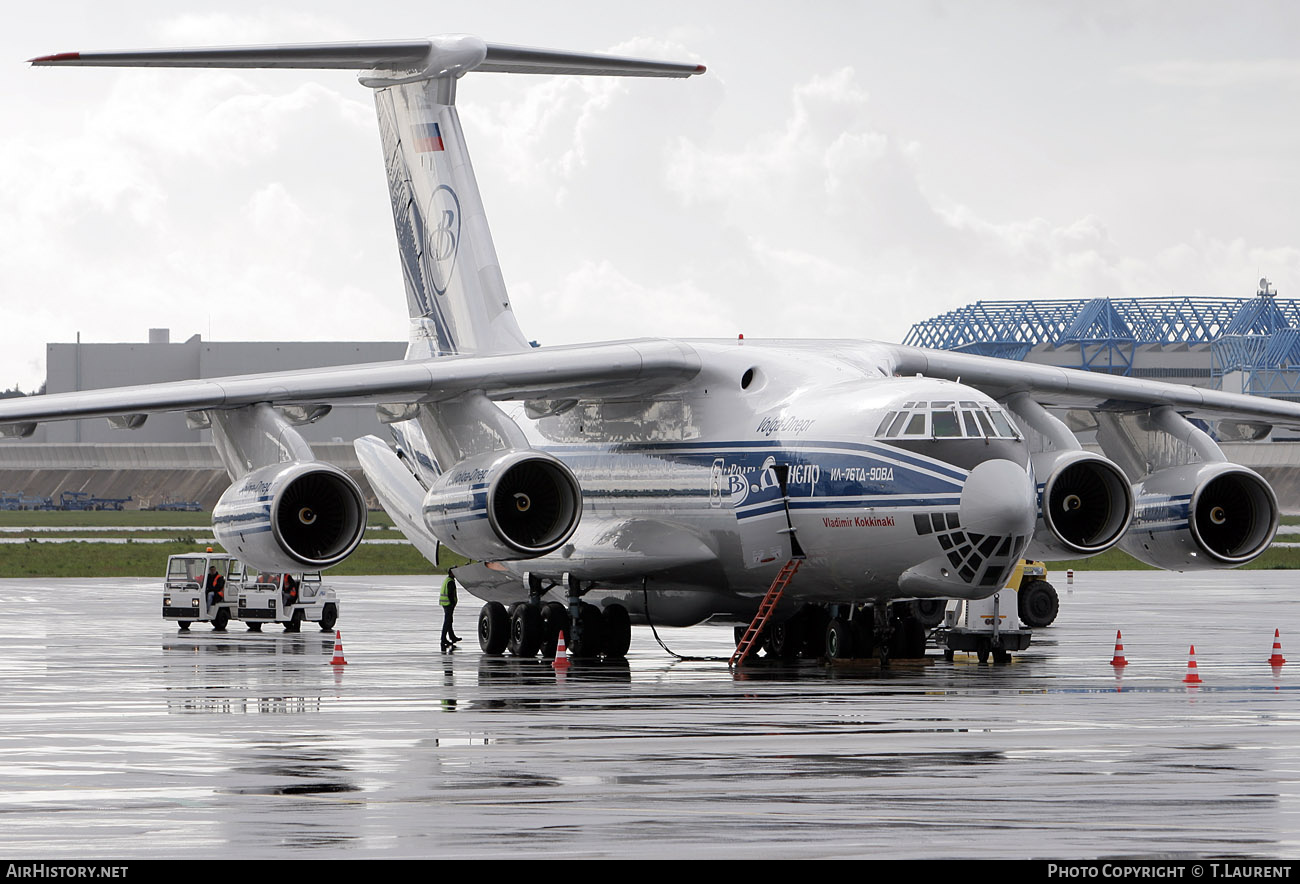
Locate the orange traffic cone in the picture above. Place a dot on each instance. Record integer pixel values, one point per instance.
(1191, 677)
(561, 654)
(338, 649)
(1118, 659)
(1277, 659)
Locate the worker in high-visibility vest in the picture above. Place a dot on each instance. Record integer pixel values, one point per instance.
(448, 602)
(215, 586)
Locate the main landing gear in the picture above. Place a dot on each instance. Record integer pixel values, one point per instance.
(529, 628)
(888, 630)
(844, 631)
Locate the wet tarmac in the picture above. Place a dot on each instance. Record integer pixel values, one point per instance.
(121, 737)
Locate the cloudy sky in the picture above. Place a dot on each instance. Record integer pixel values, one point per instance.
(844, 171)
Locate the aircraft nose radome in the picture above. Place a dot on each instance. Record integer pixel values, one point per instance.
(998, 498)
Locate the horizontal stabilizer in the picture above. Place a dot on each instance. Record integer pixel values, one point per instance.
(523, 60)
(425, 55)
(346, 56)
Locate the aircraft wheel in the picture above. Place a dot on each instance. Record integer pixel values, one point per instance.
(1001, 657)
(254, 627)
(184, 625)
(221, 620)
(786, 638)
(329, 615)
(1037, 603)
(618, 632)
(493, 628)
(839, 639)
(928, 612)
(525, 631)
(555, 619)
(983, 655)
(588, 639)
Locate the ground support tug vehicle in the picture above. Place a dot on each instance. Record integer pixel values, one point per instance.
(184, 589)
(269, 598)
(991, 626)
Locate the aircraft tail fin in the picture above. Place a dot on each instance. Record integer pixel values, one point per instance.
(456, 295)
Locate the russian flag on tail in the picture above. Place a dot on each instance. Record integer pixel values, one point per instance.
(428, 137)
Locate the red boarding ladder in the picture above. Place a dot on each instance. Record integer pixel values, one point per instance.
(750, 638)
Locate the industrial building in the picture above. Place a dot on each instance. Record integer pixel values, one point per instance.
(83, 366)
(1239, 345)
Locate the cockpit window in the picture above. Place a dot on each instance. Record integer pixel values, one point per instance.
(947, 419)
(1001, 423)
(944, 423)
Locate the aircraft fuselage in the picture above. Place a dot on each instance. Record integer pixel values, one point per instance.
(696, 491)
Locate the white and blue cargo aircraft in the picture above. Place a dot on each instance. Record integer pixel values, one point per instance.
(669, 481)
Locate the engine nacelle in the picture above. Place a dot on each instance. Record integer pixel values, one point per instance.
(503, 505)
(1085, 505)
(291, 517)
(1201, 516)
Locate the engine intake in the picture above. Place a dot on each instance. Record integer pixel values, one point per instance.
(1085, 507)
(516, 504)
(291, 517)
(1200, 516)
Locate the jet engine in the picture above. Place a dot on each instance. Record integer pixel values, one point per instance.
(303, 515)
(503, 505)
(1085, 505)
(1201, 516)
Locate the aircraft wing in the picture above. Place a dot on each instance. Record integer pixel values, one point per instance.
(620, 369)
(1055, 387)
(383, 55)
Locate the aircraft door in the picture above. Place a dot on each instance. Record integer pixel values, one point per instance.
(782, 471)
(757, 492)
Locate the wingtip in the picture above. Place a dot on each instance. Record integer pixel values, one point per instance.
(55, 58)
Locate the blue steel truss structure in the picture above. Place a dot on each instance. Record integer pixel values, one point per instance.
(1254, 342)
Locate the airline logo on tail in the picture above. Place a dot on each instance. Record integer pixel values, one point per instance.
(444, 237)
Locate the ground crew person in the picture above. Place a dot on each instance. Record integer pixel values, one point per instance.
(215, 586)
(448, 602)
(289, 590)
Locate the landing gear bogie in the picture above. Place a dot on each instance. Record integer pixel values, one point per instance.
(528, 628)
(859, 632)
